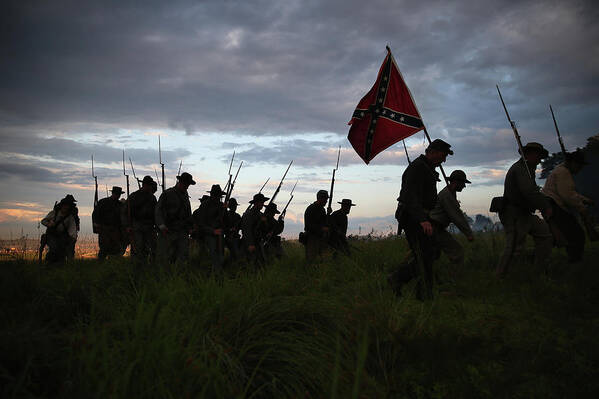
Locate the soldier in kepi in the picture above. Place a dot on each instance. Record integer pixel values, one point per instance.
(315, 227)
(251, 235)
(447, 210)
(61, 230)
(232, 228)
(270, 232)
(338, 227)
(521, 198)
(418, 197)
(140, 222)
(210, 223)
(567, 204)
(106, 218)
(173, 218)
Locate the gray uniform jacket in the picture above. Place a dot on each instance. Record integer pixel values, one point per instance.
(173, 210)
(418, 189)
(522, 192)
(447, 210)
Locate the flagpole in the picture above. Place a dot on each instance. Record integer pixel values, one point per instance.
(416, 105)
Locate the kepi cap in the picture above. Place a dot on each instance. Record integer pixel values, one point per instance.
(459, 175)
(440, 145)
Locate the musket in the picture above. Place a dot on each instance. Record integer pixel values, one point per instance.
(134, 175)
(96, 184)
(516, 134)
(232, 185)
(157, 179)
(179, 171)
(125, 174)
(280, 184)
(160, 160)
(106, 186)
(229, 173)
(330, 208)
(559, 136)
(264, 185)
(284, 211)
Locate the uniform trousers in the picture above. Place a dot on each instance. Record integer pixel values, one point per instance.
(517, 224)
(571, 230)
(173, 246)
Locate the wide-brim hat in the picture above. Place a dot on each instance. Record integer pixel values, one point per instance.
(233, 201)
(533, 146)
(440, 145)
(272, 207)
(346, 202)
(576, 156)
(459, 175)
(216, 190)
(259, 198)
(116, 190)
(186, 178)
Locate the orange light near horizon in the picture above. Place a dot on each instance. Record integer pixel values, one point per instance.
(13, 214)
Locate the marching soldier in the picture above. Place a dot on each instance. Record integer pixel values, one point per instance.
(71, 249)
(173, 218)
(106, 218)
(249, 226)
(446, 211)
(521, 197)
(338, 226)
(61, 232)
(567, 203)
(418, 196)
(210, 222)
(232, 228)
(140, 221)
(315, 227)
(271, 230)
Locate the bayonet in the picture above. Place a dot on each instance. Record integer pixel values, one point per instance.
(515, 130)
(95, 183)
(284, 211)
(179, 171)
(280, 184)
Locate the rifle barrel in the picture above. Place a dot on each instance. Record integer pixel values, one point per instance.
(559, 136)
(515, 130)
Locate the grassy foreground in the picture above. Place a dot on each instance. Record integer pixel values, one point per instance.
(332, 331)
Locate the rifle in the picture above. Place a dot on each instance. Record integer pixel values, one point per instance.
(330, 208)
(157, 179)
(94, 230)
(559, 136)
(284, 211)
(280, 184)
(160, 160)
(96, 184)
(229, 173)
(125, 174)
(134, 175)
(232, 185)
(516, 134)
(179, 171)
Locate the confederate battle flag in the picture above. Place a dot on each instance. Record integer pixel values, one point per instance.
(385, 115)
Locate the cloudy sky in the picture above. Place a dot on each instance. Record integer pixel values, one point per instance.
(276, 81)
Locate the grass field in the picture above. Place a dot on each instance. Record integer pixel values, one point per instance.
(335, 330)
